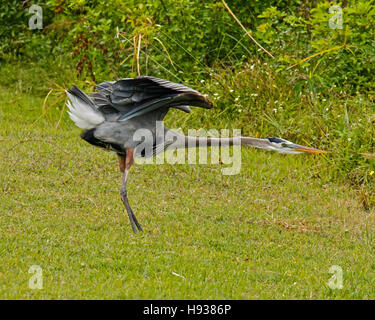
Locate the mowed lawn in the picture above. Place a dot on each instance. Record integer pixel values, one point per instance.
(272, 231)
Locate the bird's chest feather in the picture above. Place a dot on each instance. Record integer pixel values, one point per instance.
(127, 134)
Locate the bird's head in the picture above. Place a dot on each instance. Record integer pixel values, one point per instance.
(284, 146)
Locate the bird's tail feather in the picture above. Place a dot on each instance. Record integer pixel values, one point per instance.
(82, 109)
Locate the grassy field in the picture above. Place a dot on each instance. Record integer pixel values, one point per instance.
(272, 231)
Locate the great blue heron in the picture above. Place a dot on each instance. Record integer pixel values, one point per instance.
(111, 116)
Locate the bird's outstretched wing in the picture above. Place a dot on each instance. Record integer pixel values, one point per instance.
(133, 97)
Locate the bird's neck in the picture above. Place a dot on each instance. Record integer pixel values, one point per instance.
(183, 141)
(194, 142)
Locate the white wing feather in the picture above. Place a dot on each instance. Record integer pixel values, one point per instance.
(83, 115)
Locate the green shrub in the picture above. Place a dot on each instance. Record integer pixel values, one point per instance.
(338, 57)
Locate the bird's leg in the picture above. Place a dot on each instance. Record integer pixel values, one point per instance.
(128, 162)
(125, 164)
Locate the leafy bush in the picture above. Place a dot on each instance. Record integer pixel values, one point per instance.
(129, 37)
(337, 57)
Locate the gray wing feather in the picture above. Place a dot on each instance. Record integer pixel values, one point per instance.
(132, 97)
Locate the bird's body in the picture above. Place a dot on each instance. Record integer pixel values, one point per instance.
(112, 117)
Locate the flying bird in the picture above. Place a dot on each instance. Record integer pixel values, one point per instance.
(112, 116)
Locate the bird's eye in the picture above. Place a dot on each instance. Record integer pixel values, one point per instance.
(283, 144)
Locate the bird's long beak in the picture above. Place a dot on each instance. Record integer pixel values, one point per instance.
(300, 148)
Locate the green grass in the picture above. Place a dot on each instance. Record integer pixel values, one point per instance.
(272, 231)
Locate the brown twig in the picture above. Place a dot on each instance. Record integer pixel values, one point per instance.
(369, 155)
(138, 52)
(247, 32)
